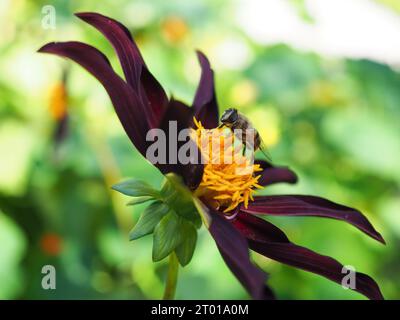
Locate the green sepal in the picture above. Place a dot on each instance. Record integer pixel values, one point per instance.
(185, 250)
(180, 199)
(172, 218)
(139, 200)
(136, 188)
(166, 236)
(150, 217)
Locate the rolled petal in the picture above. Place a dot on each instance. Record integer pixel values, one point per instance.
(268, 240)
(272, 174)
(120, 38)
(205, 102)
(277, 175)
(126, 102)
(300, 205)
(234, 250)
(136, 73)
(264, 163)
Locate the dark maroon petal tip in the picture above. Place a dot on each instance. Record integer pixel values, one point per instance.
(120, 38)
(301, 205)
(274, 174)
(136, 73)
(234, 250)
(277, 175)
(308, 260)
(268, 240)
(263, 163)
(126, 103)
(205, 102)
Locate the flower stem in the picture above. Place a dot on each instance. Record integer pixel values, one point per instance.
(172, 277)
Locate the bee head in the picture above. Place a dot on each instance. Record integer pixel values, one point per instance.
(229, 116)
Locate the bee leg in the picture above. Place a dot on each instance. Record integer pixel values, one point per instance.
(221, 125)
(244, 149)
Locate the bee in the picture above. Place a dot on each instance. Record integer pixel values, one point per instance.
(232, 119)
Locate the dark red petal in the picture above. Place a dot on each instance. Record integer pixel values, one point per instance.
(126, 102)
(272, 174)
(205, 102)
(299, 205)
(119, 36)
(276, 175)
(263, 163)
(268, 240)
(192, 173)
(234, 250)
(132, 63)
(258, 229)
(156, 96)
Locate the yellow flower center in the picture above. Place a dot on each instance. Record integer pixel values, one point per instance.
(229, 177)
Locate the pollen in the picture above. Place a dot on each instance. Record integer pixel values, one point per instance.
(230, 177)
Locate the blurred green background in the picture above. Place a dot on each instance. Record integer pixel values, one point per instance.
(334, 119)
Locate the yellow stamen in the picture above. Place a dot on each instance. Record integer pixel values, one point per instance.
(229, 177)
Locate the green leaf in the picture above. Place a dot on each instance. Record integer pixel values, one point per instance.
(185, 250)
(139, 200)
(150, 217)
(136, 188)
(167, 236)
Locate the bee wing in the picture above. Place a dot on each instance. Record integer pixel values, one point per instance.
(262, 147)
(264, 150)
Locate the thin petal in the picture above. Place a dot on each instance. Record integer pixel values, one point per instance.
(264, 163)
(273, 174)
(156, 96)
(277, 175)
(268, 240)
(300, 205)
(136, 73)
(234, 250)
(119, 36)
(126, 103)
(205, 102)
(258, 229)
